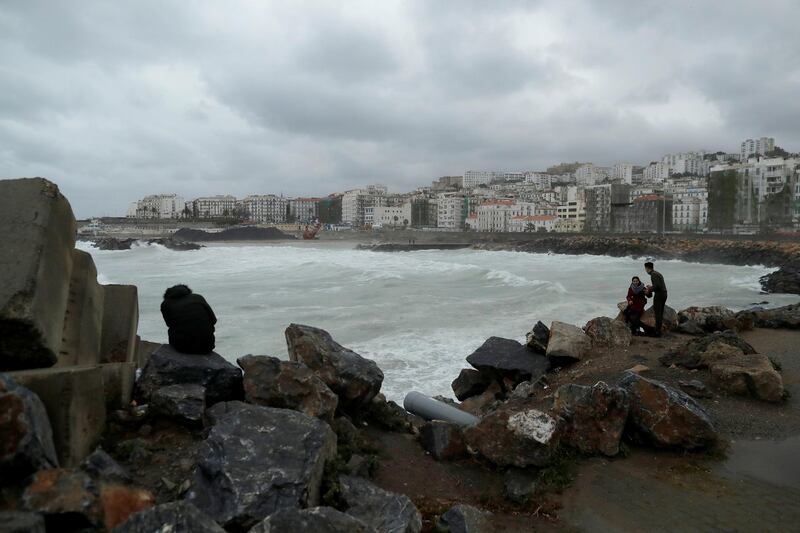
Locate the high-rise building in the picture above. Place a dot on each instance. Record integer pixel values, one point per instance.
(753, 147)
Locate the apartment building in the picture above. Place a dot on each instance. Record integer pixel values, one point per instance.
(213, 206)
(755, 147)
(532, 223)
(265, 207)
(304, 210)
(158, 206)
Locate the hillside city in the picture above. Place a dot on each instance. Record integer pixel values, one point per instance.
(754, 190)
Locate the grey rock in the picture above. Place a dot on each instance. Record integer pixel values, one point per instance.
(358, 465)
(354, 379)
(257, 460)
(316, 520)
(166, 366)
(606, 332)
(500, 358)
(65, 494)
(21, 522)
(469, 383)
(27, 437)
(442, 440)
(288, 385)
(593, 417)
(185, 403)
(568, 343)
(538, 338)
(693, 353)
(174, 517)
(383, 510)
(665, 417)
(695, 388)
(519, 486)
(99, 465)
(463, 518)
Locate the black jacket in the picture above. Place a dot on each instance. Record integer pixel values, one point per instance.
(190, 321)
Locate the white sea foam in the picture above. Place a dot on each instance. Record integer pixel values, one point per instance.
(417, 314)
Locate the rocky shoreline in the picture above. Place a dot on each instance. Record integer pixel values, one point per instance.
(783, 255)
(271, 444)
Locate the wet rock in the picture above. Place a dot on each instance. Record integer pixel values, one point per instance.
(347, 436)
(594, 417)
(567, 343)
(748, 375)
(70, 495)
(354, 379)
(442, 440)
(288, 385)
(120, 501)
(21, 522)
(515, 434)
(669, 322)
(695, 388)
(608, 333)
(112, 243)
(390, 416)
(709, 319)
(25, 432)
(690, 327)
(257, 460)
(382, 510)
(485, 402)
(786, 317)
(665, 417)
(538, 337)
(177, 517)
(698, 353)
(358, 465)
(469, 383)
(317, 519)
(499, 358)
(463, 518)
(101, 466)
(184, 403)
(526, 389)
(519, 486)
(166, 366)
(784, 280)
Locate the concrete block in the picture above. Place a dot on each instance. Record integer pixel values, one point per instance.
(83, 322)
(118, 381)
(143, 352)
(120, 321)
(37, 236)
(74, 400)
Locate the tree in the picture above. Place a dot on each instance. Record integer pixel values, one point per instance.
(777, 152)
(530, 228)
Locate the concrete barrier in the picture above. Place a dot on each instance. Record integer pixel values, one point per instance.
(118, 379)
(120, 321)
(144, 350)
(37, 236)
(75, 403)
(83, 321)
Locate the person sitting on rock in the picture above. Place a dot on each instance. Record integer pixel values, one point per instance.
(190, 320)
(637, 300)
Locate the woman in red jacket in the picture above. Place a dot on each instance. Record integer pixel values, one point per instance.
(637, 299)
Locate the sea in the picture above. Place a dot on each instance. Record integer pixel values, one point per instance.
(417, 314)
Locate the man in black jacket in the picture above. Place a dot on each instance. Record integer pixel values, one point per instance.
(190, 320)
(659, 291)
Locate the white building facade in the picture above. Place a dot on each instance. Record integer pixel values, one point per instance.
(265, 207)
(158, 206)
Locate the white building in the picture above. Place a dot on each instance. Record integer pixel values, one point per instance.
(753, 147)
(355, 202)
(690, 214)
(450, 210)
(265, 207)
(622, 172)
(392, 216)
(304, 209)
(213, 206)
(494, 215)
(532, 223)
(473, 178)
(540, 180)
(586, 175)
(693, 163)
(158, 206)
(656, 172)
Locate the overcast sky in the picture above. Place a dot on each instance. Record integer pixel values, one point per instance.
(115, 100)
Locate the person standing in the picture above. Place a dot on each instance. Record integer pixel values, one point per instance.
(190, 320)
(658, 289)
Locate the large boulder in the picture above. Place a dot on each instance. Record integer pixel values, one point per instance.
(519, 485)
(100, 465)
(698, 353)
(26, 438)
(666, 417)
(669, 321)
(463, 518)
(316, 519)
(37, 243)
(442, 440)
(167, 366)
(608, 333)
(184, 403)
(380, 509)
(567, 344)
(288, 385)
(177, 517)
(355, 379)
(470, 383)
(709, 319)
(748, 375)
(784, 280)
(786, 317)
(594, 417)
(516, 434)
(538, 337)
(257, 460)
(500, 358)
(21, 522)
